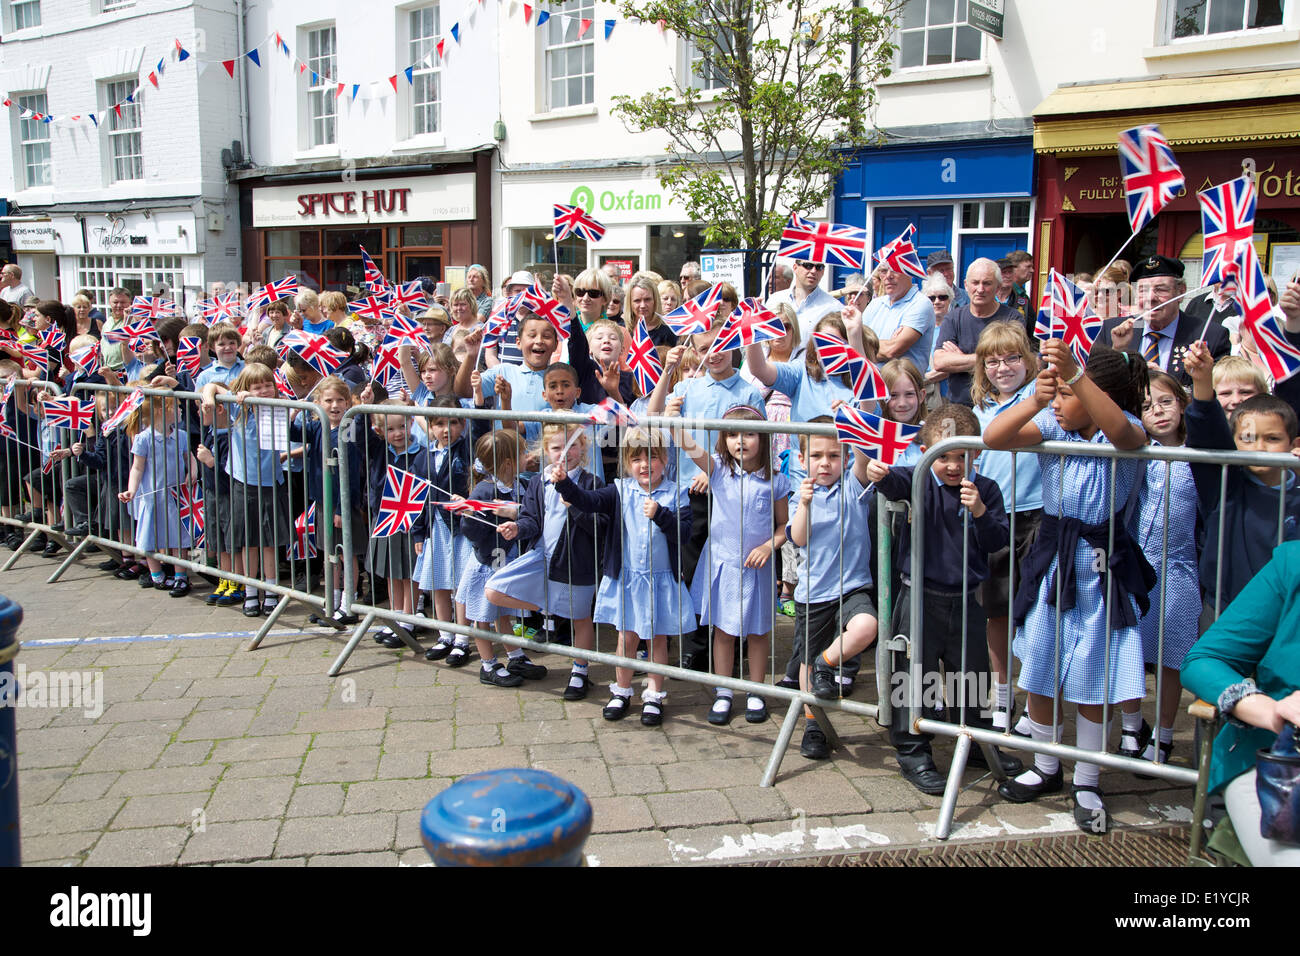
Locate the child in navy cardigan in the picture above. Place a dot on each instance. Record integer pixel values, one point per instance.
(641, 592)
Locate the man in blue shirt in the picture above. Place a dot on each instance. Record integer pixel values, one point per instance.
(903, 320)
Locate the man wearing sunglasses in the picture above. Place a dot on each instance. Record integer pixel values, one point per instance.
(954, 352)
(808, 299)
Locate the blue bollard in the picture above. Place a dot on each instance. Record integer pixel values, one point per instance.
(507, 818)
(11, 615)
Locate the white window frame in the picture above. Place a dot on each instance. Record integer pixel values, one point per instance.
(420, 45)
(113, 6)
(98, 274)
(1171, 13)
(123, 132)
(325, 123)
(691, 60)
(956, 24)
(576, 10)
(38, 102)
(28, 7)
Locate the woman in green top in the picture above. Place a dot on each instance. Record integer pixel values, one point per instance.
(1249, 663)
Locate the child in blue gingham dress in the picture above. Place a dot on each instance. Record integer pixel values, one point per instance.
(1084, 540)
(447, 552)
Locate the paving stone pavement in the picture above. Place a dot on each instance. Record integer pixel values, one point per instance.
(206, 753)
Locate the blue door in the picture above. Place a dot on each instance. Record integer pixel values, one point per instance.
(933, 227)
(988, 246)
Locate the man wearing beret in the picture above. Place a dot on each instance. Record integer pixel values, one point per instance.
(1163, 343)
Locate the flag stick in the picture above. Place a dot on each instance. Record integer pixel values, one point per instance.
(1157, 308)
(1116, 255)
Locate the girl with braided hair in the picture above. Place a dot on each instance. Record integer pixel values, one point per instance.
(1080, 505)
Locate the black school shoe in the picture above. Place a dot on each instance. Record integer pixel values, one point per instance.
(574, 691)
(438, 651)
(497, 679)
(1018, 792)
(1088, 820)
(652, 713)
(923, 774)
(1011, 766)
(525, 668)
(617, 707)
(180, 588)
(814, 745)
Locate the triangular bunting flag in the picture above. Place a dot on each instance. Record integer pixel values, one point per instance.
(94, 119)
(455, 32)
(315, 79)
(662, 24)
(182, 54)
(230, 67)
(409, 71)
(609, 28)
(118, 110)
(583, 26)
(252, 55)
(301, 67)
(442, 43)
(393, 81)
(355, 87)
(339, 92)
(162, 64)
(543, 16)
(153, 78)
(131, 96)
(528, 12)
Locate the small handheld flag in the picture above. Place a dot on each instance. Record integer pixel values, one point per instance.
(901, 254)
(827, 242)
(878, 437)
(574, 220)
(303, 545)
(643, 360)
(751, 323)
(1152, 179)
(697, 314)
(403, 498)
(69, 413)
(1227, 221)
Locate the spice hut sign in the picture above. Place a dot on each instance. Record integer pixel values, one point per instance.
(365, 202)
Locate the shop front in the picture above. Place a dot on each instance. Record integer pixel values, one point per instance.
(1219, 128)
(413, 226)
(645, 228)
(971, 197)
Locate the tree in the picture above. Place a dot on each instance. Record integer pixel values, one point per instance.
(786, 112)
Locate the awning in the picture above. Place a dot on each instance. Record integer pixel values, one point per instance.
(1216, 108)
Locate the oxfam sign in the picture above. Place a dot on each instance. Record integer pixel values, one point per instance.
(615, 200)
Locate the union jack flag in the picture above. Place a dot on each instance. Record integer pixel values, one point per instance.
(833, 352)
(152, 307)
(373, 278)
(697, 314)
(610, 412)
(410, 295)
(69, 413)
(823, 242)
(1227, 221)
(1278, 356)
(187, 354)
(53, 338)
(189, 502)
(279, 289)
(1043, 321)
(5, 428)
(221, 307)
(282, 385)
(901, 255)
(1152, 178)
(868, 384)
(465, 505)
(878, 437)
(498, 323)
(573, 219)
(34, 354)
(141, 330)
(403, 499)
(303, 545)
(407, 329)
(86, 359)
(315, 350)
(387, 369)
(139, 346)
(751, 323)
(643, 360)
(129, 404)
(550, 309)
(374, 308)
(1073, 320)
(47, 466)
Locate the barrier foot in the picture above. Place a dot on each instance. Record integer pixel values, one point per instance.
(824, 722)
(353, 641)
(782, 743)
(949, 806)
(271, 618)
(22, 549)
(408, 638)
(994, 763)
(67, 562)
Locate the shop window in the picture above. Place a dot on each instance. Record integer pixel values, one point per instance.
(136, 274)
(934, 33)
(704, 72)
(34, 140)
(322, 104)
(570, 62)
(426, 77)
(125, 124)
(421, 236)
(1197, 18)
(534, 247)
(672, 245)
(996, 214)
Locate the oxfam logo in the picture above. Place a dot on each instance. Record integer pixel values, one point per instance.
(583, 198)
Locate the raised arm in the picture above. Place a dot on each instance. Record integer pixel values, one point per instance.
(1015, 428)
(1103, 411)
(461, 383)
(659, 396)
(759, 366)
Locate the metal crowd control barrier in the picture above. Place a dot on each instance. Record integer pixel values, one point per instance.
(31, 529)
(221, 488)
(966, 735)
(796, 699)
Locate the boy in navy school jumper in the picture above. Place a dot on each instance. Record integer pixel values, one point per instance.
(957, 505)
(1250, 502)
(224, 343)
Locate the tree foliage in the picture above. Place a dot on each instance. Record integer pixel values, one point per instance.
(789, 111)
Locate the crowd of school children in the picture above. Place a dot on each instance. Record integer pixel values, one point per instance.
(699, 538)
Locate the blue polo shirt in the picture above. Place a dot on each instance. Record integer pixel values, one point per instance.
(706, 397)
(808, 396)
(885, 317)
(821, 575)
(525, 391)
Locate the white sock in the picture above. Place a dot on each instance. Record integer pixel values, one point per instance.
(1089, 735)
(654, 698)
(515, 653)
(1044, 765)
(575, 678)
(1001, 706)
(624, 692)
(1166, 735)
(1024, 726)
(489, 666)
(723, 692)
(754, 703)
(580, 669)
